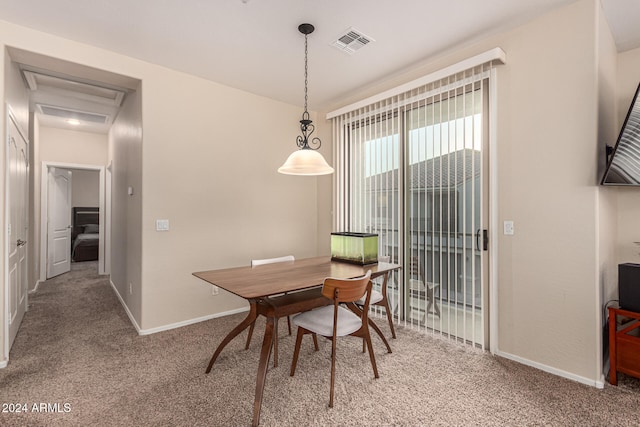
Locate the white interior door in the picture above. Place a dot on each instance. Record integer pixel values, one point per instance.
(18, 175)
(59, 222)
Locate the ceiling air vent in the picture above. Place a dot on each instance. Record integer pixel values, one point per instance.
(67, 113)
(352, 40)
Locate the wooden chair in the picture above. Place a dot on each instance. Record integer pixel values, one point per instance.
(254, 263)
(334, 320)
(416, 269)
(380, 299)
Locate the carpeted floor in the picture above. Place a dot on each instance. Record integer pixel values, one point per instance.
(78, 354)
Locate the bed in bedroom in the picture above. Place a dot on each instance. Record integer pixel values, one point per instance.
(85, 234)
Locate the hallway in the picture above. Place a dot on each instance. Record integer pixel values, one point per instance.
(68, 337)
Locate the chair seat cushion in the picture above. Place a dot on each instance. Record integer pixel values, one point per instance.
(375, 297)
(320, 321)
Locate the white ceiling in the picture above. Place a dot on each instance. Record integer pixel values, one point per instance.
(255, 45)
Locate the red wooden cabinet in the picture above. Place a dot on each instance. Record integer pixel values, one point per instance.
(624, 344)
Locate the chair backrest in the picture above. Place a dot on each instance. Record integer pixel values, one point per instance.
(348, 290)
(255, 262)
(416, 269)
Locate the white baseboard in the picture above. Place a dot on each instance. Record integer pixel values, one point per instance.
(172, 325)
(3, 363)
(126, 309)
(191, 321)
(552, 370)
(35, 288)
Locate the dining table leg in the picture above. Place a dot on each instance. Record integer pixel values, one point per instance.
(265, 354)
(249, 320)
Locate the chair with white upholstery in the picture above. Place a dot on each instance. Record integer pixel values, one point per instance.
(254, 263)
(335, 320)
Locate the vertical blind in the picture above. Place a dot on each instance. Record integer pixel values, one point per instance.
(409, 167)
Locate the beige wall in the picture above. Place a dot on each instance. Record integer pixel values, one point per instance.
(16, 94)
(86, 188)
(210, 158)
(547, 150)
(68, 146)
(325, 186)
(125, 157)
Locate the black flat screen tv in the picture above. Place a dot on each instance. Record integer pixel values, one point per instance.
(623, 164)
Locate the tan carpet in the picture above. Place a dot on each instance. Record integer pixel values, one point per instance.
(78, 352)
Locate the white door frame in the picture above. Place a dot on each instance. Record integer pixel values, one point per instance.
(44, 199)
(107, 220)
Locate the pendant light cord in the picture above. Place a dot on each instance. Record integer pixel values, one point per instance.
(306, 69)
(305, 141)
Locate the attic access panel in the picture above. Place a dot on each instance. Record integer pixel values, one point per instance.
(68, 113)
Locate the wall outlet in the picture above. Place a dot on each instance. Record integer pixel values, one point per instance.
(214, 290)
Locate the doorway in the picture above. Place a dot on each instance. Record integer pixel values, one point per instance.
(51, 262)
(60, 96)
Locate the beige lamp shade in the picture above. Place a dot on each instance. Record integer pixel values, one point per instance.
(305, 162)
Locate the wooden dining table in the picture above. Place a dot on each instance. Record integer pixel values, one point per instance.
(278, 290)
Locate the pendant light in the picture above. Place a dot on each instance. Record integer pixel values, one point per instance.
(306, 160)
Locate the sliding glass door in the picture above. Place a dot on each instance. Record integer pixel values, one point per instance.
(444, 211)
(414, 171)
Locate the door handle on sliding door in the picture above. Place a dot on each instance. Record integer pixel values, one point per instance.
(485, 240)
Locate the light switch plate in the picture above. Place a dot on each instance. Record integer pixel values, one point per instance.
(508, 228)
(162, 225)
